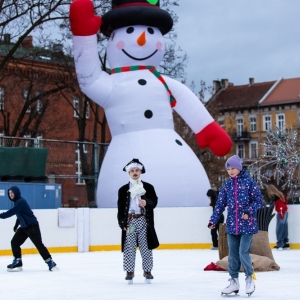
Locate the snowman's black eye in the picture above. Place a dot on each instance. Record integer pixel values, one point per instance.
(150, 30)
(130, 30)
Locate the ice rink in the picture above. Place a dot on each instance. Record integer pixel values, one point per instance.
(178, 274)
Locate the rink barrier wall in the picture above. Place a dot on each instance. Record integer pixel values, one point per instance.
(96, 229)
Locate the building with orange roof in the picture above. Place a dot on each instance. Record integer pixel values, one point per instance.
(247, 112)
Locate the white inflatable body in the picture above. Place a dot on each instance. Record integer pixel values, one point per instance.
(139, 115)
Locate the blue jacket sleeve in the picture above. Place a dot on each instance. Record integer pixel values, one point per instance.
(255, 197)
(11, 212)
(220, 207)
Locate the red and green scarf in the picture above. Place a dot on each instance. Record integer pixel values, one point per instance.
(153, 71)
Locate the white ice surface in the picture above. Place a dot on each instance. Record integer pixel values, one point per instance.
(178, 274)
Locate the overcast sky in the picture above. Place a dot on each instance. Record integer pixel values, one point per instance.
(239, 39)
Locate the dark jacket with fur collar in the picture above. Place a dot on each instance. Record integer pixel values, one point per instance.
(123, 208)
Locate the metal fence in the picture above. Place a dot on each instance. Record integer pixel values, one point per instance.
(73, 164)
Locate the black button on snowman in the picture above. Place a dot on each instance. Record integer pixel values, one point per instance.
(138, 102)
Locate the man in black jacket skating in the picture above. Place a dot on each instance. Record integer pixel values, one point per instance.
(136, 202)
(29, 228)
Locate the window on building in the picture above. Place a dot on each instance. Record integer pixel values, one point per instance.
(239, 127)
(1, 98)
(25, 96)
(267, 123)
(240, 149)
(27, 140)
(38, 143)
(253, 150)
(79, 179)
(88, 110)
(75, 106)
(280, 122)
(252, 124)
(38, 103)
(1, 138)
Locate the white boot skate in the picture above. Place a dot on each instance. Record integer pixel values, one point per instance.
(250, 285)
(233, 287)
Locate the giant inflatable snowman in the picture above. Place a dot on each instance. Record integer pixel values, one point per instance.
(138, 103)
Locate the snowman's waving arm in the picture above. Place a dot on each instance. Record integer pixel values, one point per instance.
(95, 83)
(208, 132)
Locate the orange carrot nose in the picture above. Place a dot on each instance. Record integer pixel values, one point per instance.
(141, 39)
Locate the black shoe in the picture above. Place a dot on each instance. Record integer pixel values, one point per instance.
(286, 246)
(148, 275)
(129, 276)
(15, 265)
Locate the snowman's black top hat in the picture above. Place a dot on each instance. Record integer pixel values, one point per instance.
(136, 12)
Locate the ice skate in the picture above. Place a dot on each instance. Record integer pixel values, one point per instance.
(148, 277)
(129, 277)
(250, 285)
(286, 246)
(233, 287)
(15, 266)
(51, 264)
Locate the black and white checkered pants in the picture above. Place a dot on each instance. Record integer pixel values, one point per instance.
(137, 237)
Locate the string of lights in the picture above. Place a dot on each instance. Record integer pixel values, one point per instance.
(280, 161)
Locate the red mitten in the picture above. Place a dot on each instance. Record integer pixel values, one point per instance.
(214, 137)
(82, 19)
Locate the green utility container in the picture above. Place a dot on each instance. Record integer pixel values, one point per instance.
(23, 161)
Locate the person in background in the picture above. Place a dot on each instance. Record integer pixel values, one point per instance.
(26, 226)
(242, 197)
(281, 217)
(212, 195)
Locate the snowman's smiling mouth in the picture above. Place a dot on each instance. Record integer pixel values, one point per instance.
(135, 58)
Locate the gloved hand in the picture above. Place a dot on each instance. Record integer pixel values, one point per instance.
(211, 226)
(82, 19)
(214, 137)
(16, 227)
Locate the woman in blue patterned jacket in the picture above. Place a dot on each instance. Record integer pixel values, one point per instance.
(242, 196)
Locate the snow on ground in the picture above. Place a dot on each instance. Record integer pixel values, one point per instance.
(178, 274)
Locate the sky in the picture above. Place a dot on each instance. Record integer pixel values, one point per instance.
(239, 39)
(178, 275)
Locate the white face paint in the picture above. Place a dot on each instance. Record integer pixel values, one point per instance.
(135, 45)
